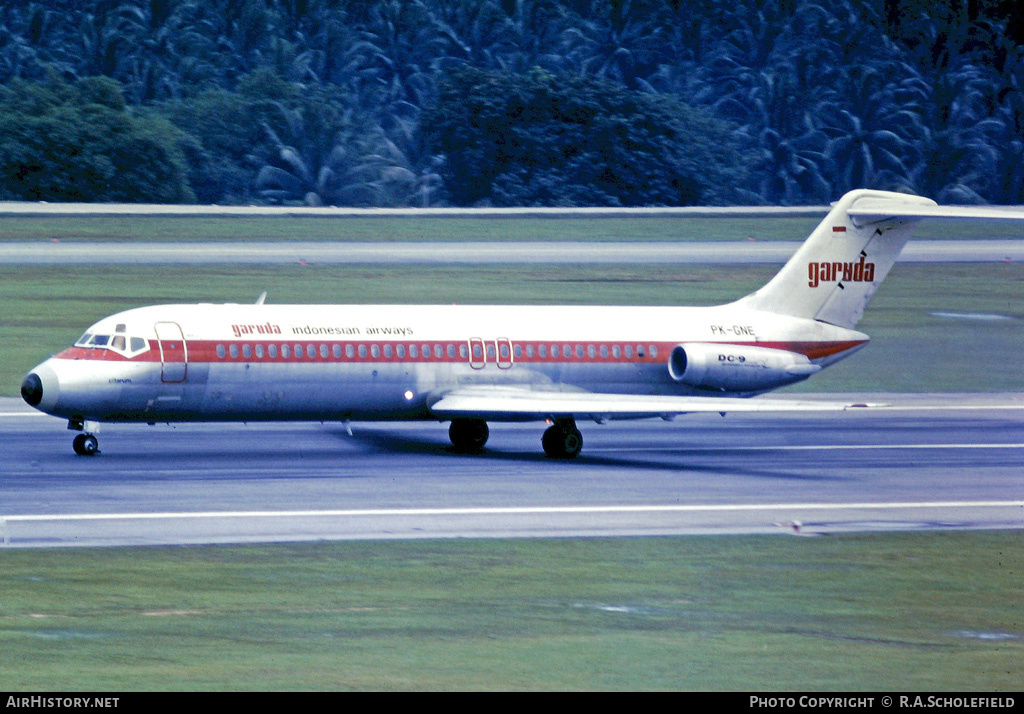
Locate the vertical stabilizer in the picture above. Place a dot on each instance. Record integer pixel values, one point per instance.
(835, 273)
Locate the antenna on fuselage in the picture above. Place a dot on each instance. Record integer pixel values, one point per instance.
(261, 298)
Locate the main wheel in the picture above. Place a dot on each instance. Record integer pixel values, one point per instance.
(86, 445)
(468, 435)
(562, 441)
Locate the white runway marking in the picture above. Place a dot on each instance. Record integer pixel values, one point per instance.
(809, 447)
(519, 510)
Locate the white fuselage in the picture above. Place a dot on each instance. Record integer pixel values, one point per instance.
(360, 362)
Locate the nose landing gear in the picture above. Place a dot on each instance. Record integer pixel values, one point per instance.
(86, 443)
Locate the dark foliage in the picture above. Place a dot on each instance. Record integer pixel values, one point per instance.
(349, 101)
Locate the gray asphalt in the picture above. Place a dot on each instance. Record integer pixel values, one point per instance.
(927, 462)
(471, 252)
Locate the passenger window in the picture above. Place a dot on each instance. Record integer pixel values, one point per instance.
(579, 351)
(387, 351)
(272, 351)
(400, 350)
(529, 351)
(234, 351)
(629, 351)
(451, 351)
(286, 351)
(336, 351)
(259, 351)
(654, 351)
(298, 351)
(604, 351)
(221, 352)
(362, 351)
(616, 352)
(542, 350)
(640, 351)
(438, 351)
(591, 351)
(350, 351)
(311, 351)
(463, 351)
(414, 351)
(246, 351)
(324, 352)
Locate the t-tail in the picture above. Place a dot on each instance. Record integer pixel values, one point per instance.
(835, 273)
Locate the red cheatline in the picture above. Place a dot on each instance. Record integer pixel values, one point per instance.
(839, 229)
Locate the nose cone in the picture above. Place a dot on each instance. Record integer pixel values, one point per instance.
(32, 389)
(41, 388)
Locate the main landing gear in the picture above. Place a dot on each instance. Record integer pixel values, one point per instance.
(86, 445)
(562, 440)
(468, 435)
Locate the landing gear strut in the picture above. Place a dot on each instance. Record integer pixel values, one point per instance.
(562, 440)
(468, 435)
(86, 445)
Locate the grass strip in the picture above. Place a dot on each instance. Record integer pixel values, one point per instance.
(883, 612)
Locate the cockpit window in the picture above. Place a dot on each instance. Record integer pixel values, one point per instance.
(128, 346)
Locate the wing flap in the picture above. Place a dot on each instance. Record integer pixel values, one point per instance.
(498, 403)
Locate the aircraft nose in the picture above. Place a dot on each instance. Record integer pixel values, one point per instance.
(41, 388)
(32, 389)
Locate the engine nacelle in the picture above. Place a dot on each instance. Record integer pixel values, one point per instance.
(737, 368)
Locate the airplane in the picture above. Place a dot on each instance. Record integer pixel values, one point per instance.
(470, 365)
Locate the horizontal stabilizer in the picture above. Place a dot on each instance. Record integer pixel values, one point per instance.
(871, 209)
(513, 404)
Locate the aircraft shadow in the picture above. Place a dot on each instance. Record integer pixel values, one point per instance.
(672, 459)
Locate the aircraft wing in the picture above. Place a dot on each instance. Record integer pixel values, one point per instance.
(500, 403)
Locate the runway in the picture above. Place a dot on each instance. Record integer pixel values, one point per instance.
(926, 462)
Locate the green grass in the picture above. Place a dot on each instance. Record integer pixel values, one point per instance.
(46, 308)
(176, 228)
(913, 611)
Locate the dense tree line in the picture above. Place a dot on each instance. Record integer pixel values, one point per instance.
(553, 102)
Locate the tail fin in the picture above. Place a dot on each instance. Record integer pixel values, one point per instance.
(835, 273)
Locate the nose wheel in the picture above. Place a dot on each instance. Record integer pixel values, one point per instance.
(86, 445)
